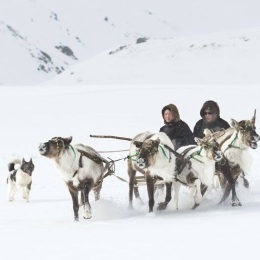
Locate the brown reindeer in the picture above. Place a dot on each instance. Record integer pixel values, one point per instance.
(80, 166)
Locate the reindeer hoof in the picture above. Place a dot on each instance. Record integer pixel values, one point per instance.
(236, 203)
(195, 206)
(87, 215)
(76, 219)
(162, 206)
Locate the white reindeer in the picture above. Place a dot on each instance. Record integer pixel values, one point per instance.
(235, 143)
(149, 156)
(197, 169)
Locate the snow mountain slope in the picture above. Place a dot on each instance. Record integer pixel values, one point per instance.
(42, 38)
(34, 45)
(217, 58)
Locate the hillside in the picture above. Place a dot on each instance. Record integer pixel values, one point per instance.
(40, 39)
(217, 58)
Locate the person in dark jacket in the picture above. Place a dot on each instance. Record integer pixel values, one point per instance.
(210, 119)
(176, 129)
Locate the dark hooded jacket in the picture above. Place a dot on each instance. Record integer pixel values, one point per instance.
(177, 130)
(215, 125)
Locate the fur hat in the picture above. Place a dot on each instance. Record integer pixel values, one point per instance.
(211, 106)
(174, 110)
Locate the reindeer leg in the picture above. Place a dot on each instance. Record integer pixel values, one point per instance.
(203, 189)
(235, 172)
(86, 205)
(87, 208)
(131, 174)
(245, 181)
(226, 193)
(75, 201)
(198, 194)
(226, 171)
(159, 190)
(97, 190)
(81, 202)
(131, 190)
(235, 201)
(150, 189)
(176, 187)
(137, 195)
(168, 197)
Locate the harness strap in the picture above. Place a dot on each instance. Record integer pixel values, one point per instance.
(92, 157)
(97, 159)
(220, 145)
(231, 144)
(163, 151)
(187, 150)
(173, 151)
(180, 164)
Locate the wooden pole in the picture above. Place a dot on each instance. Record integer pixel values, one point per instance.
(112, 136)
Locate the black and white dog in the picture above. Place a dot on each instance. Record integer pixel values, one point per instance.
(20, 178)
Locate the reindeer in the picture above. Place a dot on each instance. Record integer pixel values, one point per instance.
(149, 156)
(80, 166)
(198, 167)
(235, 143)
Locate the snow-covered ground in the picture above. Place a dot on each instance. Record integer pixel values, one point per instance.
(44, 228)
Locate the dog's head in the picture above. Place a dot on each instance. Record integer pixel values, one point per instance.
(54, 147)
(27, 167)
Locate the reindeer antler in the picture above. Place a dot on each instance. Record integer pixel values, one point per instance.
(207, 134)
(254, 118)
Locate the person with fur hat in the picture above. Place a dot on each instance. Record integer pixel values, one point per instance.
(176, 129)
(210, 119)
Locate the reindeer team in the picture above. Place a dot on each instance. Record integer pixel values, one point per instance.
(153, 155)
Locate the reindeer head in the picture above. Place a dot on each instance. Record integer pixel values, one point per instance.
(54, 147)
(246, 130)
(210, 145)
(146, 152)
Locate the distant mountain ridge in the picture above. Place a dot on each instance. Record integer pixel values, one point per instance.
(42, 38)
(230, 58)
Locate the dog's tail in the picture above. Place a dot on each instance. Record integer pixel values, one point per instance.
(11, 164)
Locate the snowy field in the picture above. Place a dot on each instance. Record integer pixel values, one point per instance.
(45, 229)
